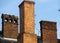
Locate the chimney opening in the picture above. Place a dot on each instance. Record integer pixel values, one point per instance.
(15, 21)
(6, 20)
(10, 20)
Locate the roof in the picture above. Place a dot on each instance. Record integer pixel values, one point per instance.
(58, 40)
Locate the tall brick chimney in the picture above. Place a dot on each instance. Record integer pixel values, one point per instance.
(27, 23)
(10, 26)
(48, 32)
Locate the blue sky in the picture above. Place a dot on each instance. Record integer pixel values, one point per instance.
(44, 10)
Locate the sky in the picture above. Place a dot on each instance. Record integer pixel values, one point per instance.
(44, 10)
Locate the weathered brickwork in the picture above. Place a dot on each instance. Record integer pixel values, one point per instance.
(27, 38)
(27, 23)
(27, 17)
(48, 32)
(9, 26)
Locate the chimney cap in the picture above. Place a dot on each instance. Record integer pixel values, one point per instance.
(26, 1)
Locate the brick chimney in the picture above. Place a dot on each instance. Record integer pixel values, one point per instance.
(48, 32)
(27, 23)
(10, 26)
